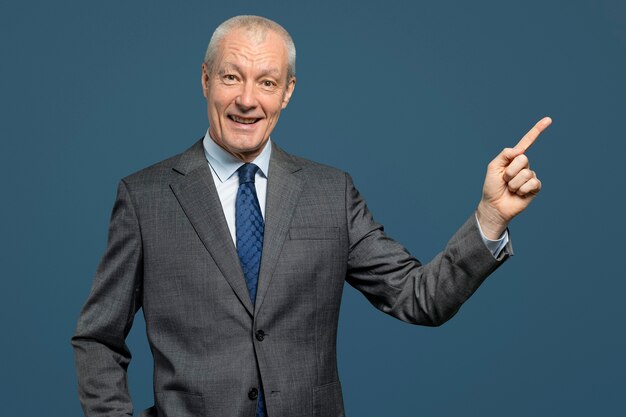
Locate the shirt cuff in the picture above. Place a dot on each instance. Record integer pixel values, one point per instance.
(494, 246)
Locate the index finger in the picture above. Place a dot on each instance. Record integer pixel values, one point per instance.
(532, 135)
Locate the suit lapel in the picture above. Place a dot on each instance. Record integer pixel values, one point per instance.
(283, 191)
(196, 193)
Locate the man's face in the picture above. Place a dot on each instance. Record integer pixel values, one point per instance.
(246, 91)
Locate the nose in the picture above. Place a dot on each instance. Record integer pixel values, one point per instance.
(246, 100)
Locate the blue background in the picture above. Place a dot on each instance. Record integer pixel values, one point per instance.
(413, 99)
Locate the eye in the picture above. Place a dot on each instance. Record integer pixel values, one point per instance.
(229, 78)
(269, 84)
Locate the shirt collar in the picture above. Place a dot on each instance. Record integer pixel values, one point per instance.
(225, 165)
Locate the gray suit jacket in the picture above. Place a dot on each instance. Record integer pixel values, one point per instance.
(170, 253)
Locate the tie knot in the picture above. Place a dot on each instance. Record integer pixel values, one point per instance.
(247, 172)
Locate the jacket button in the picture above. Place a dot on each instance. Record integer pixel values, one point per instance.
(260, 335)
(253, 394)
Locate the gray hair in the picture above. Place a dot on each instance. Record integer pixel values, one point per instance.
(257, 25)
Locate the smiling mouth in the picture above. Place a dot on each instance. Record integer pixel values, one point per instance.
(243, 120)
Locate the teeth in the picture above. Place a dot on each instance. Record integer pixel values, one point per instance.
(240, 120)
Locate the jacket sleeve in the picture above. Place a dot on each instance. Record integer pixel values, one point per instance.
(398, 284)
(101, 354)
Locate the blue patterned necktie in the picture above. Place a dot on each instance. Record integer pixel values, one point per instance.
(249, 227)
(249, 230)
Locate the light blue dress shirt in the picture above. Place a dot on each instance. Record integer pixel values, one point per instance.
(224, 167)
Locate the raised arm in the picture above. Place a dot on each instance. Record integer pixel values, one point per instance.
(398, 284)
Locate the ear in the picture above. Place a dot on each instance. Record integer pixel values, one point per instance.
(291, 85)
(205, 80)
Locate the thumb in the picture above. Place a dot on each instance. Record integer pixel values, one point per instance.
(505, 157)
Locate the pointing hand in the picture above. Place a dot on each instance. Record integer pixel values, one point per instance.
(510, 185)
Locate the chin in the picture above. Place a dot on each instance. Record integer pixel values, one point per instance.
(244, 145)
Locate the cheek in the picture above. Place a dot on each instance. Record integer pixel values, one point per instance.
(274, 107)
(219, 100)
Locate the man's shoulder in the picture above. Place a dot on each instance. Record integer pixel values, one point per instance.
(154, 173)
(162, 170)
(310, 168)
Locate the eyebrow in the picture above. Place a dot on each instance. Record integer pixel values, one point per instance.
(227, 65)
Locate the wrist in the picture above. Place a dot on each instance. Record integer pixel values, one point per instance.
(490, 221)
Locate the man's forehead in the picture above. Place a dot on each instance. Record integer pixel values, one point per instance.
(238, 49)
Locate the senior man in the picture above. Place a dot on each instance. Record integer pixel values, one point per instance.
(237, 252)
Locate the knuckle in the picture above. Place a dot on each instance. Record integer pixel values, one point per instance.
(523, 159)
